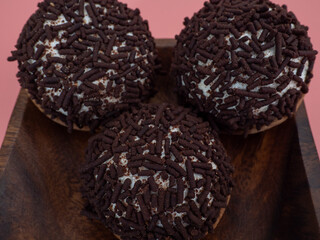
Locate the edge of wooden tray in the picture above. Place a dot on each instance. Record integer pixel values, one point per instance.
(310, 157)
(308, 149)
(13, 129)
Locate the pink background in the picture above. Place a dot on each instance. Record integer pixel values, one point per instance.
(165, 18)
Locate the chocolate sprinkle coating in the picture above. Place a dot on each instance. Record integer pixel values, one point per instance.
(246, 63)
(84, 61)
(157, 192)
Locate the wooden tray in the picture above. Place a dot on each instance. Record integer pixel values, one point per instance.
(276, 193)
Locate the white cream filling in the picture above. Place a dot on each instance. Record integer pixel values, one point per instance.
(206, 89)
(51, 49)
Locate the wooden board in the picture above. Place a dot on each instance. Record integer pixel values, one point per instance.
(276, 193)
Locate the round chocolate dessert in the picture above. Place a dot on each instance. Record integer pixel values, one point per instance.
(157, 173)
(85, 60)
(247, 64)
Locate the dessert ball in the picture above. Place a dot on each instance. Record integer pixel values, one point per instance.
(85, 60)
(247, 64)
(157, 173)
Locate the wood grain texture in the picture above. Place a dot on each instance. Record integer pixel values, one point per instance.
(12, 130)
(276, 193)
(296, 205)
(310, 159)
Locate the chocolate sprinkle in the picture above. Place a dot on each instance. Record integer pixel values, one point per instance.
(236, 48)
(86, 45)
(167, 201)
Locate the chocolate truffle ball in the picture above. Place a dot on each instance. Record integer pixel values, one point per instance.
(247, 64)
(84, 60)
(157, 173)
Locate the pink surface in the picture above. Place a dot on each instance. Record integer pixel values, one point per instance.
(165, 18)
